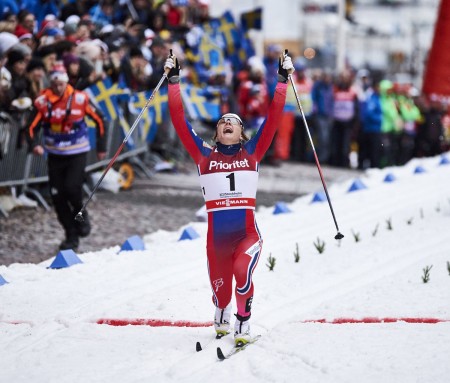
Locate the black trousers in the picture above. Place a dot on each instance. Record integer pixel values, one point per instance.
(300, 146)
(341, 135)
(370, 150)
(66, 177)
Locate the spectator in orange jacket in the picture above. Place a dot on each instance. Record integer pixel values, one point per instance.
(60, 111)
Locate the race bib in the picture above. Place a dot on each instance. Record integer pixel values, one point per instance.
(229, 190)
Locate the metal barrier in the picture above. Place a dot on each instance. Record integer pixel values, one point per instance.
(20, 168)
(12, 161)
(115, 136)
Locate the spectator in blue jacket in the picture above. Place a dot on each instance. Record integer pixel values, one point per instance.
(40, 9)
(370, 148)
(105, 13)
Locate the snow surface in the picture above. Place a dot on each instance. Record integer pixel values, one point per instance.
(48, 329)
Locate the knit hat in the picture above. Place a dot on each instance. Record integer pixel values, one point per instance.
(24, 49)
(23, 33)
(25, 36)
(7, 40)
(70, 58)
(35, 63)
(59, 73)
(135, 52)
(88, 49)
(73, 19)
(50, 21)
(52, 32)
(15, 56)
(46, 50)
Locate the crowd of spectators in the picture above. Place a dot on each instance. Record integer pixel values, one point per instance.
(380, 122)
(129, 40)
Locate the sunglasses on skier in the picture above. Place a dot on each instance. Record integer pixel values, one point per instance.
(231, 120)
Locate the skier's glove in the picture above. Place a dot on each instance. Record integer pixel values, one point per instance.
(285, 67)
(173, 68)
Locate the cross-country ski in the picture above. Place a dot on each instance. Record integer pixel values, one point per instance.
(236, 348)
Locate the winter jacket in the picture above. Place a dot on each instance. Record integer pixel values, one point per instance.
(322, 96)
(372, 113)
(392, 122)
(63, 121)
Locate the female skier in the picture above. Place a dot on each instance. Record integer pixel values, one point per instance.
(228, 177)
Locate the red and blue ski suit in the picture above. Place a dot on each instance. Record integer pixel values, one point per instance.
(228, 179)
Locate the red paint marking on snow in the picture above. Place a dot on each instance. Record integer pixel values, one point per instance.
(377, 320)
(16, 322)
(153, 323)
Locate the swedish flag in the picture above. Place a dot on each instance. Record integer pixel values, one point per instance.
(238, 46)
(246, 49)
(230, 32)
(105, 94)
(158, 111)
(155, 114)
(252, 19)
(198, 106)
(211, 54)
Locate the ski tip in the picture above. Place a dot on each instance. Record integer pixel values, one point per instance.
(220, 354)
(198, 347)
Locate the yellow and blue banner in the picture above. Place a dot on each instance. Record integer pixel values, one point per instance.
(155, 114)
(252, 19)
(199, 106)
(105, 94)
(238, 46)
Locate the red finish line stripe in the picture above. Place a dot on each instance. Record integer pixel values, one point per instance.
(378, 320)
(153, 323)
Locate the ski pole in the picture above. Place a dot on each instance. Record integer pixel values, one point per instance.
(79, 216)
(338, 235)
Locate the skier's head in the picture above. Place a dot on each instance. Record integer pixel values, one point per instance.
(230, 130)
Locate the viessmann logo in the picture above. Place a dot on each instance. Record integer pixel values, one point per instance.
(232, 202)
(220, 165)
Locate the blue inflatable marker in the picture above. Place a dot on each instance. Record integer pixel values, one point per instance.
(3, 281)
(356, 185)
(389, 178)
(65, 258)
(319, 197)
(281, 208)
(444, 160)
(419, 169)
(189, 233)
(133, 243)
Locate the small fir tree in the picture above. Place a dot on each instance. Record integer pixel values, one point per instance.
(375, 231)
(319, 245)
(426, 274)
(356, 236)
(389, 224)
(296, 254)
(271, 262)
